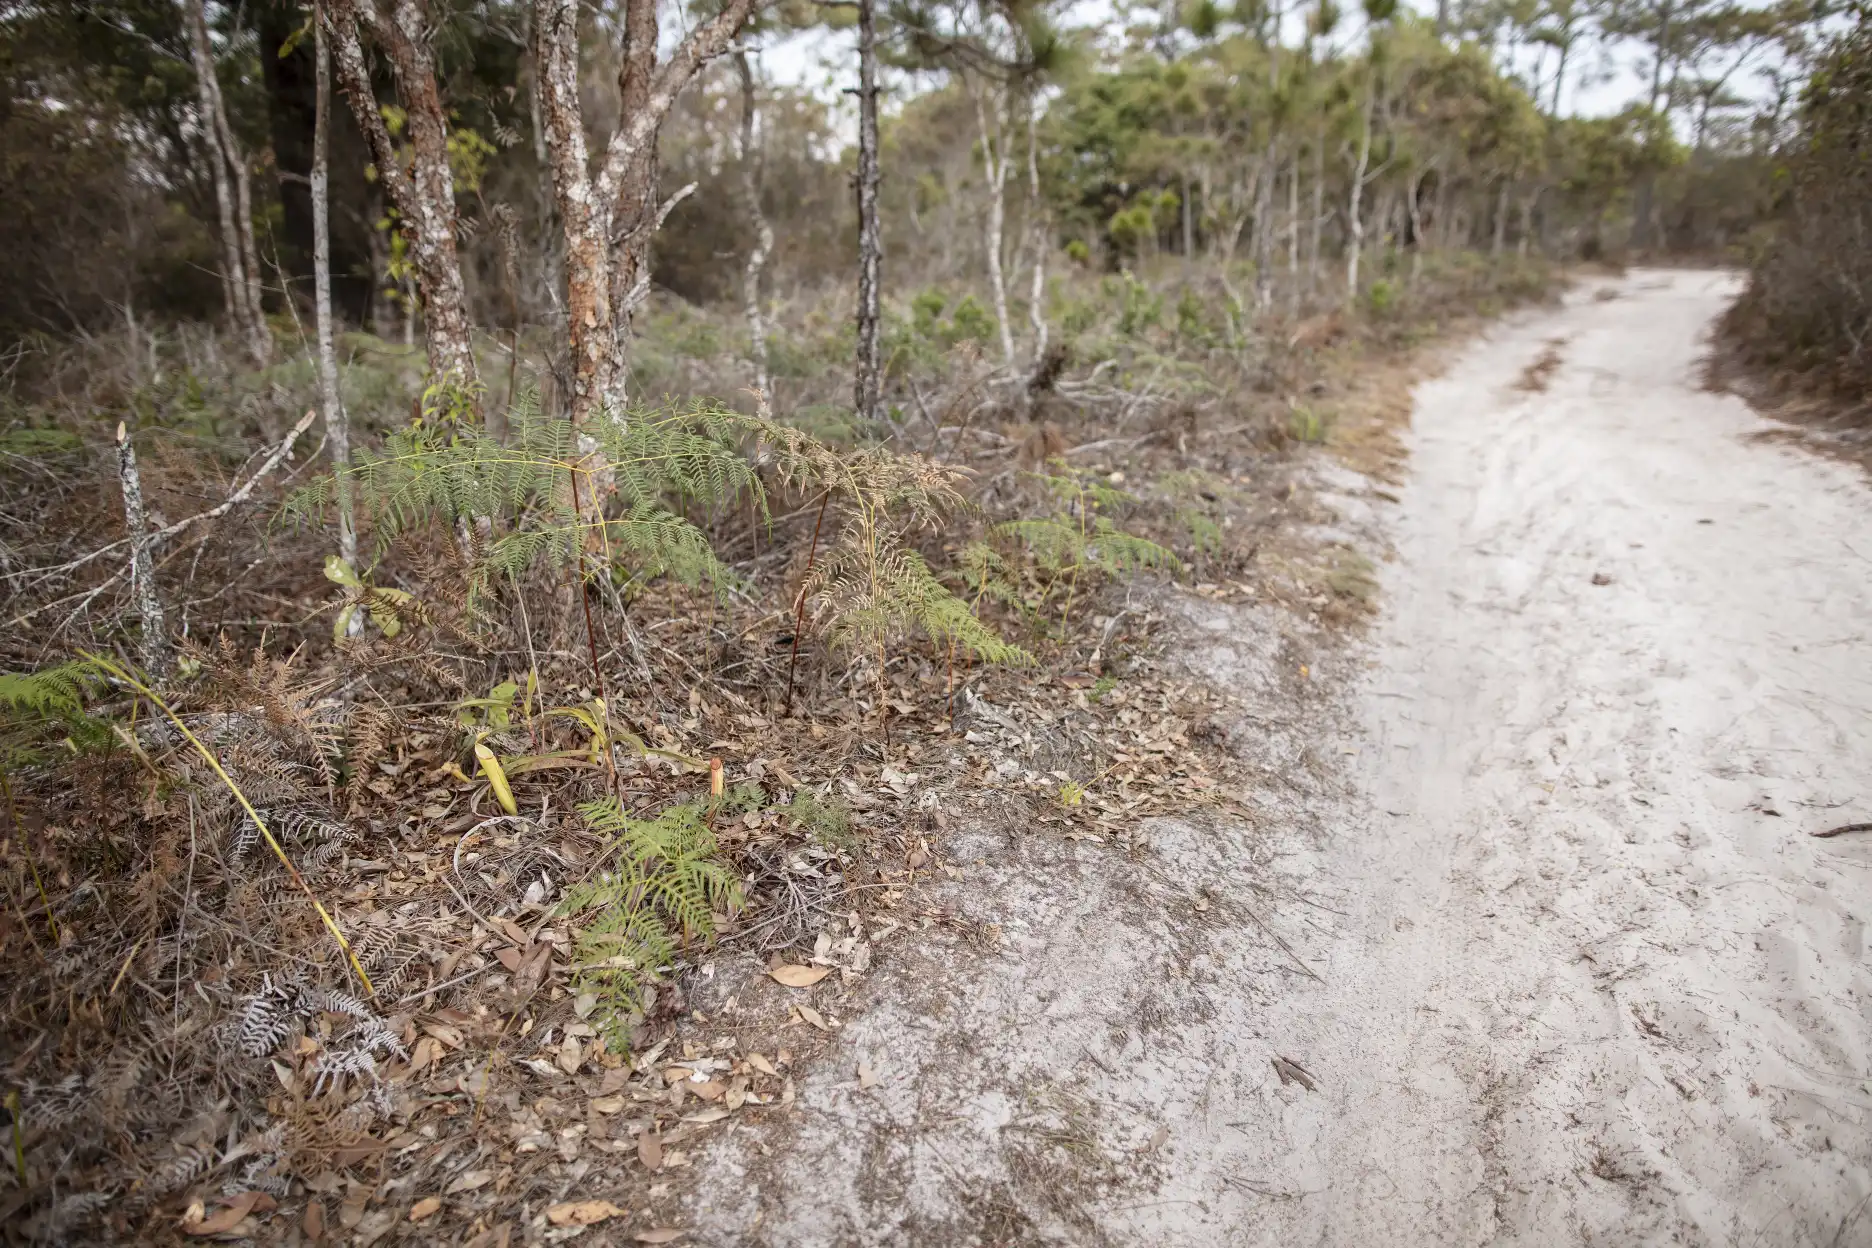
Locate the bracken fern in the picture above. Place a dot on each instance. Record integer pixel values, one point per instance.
(664, 889)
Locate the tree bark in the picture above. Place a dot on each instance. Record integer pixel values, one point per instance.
(424, 192)
(1319, 216)
(153, 648)
(1413, 198)
(240, 268)
(867, 379)
(1264, 231)
(751, 165)
(1037, 228)
(609, 219)
(337, 426)
(995, 166)
(1355, 226)
(1500, 236)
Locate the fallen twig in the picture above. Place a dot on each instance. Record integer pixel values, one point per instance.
(1843, 829)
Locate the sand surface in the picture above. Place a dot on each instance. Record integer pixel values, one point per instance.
(1561, 959)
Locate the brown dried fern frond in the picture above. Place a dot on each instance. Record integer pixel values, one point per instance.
(373, 732)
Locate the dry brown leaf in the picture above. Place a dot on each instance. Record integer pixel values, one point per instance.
(650, 1150)
(446, 1033)
(867, 1078)
(708, 1089)
(532, 973)
(427, 1207)
(606, 1104)
(660, 1235)
(428, 1051)
(472, 1180)
(583, 1213)
(814, 1017)
(614, 1080)
(571, 1055)
(799, 976)
(197, 1221)
(761, 1064)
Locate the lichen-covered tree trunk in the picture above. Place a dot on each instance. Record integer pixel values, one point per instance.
(993, 135)
(337, 426)
(1264, 228)
(1293, 232)
(866, 379)
(1355, 223)
(763, 238)
(424, 192)
(153, 641)
(1038, 233)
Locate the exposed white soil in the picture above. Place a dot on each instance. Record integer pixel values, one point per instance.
(1530, 897)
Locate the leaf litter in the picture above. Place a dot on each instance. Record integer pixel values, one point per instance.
(476, 1094)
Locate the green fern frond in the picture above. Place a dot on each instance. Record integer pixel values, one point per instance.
(53, 691)
(38, 709)
(665, 890)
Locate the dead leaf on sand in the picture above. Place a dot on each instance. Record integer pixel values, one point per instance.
(583, 1213)
(799, 976)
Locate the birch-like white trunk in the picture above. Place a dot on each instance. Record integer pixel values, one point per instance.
(751, 162)
(153, 642)
(867, 381)
(331, 407)
(994, 161)
(1264, 230)
(1037, 229)
(1355, 224)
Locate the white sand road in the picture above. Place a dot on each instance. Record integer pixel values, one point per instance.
(1584, 977)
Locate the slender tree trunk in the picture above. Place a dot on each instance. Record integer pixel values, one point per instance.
(1501, 219)
(1662, 50)
(260, 340)
(1189, 225)
(588, 303)
(424, 192)
(1416, 223)
(629, 184)
(995, 166)
(337, 427)
(1264, 229)
(1559, 81)
(1319, 216)
(867, 379)
(1355, 225)
(1293, 220)
(240, 271)
(153, 647)
(751, 159)
(1037, 229)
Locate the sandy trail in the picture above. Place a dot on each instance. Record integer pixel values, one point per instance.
(1583, 975)
(1605, 989)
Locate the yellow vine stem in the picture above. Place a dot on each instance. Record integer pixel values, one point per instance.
(331, 925)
